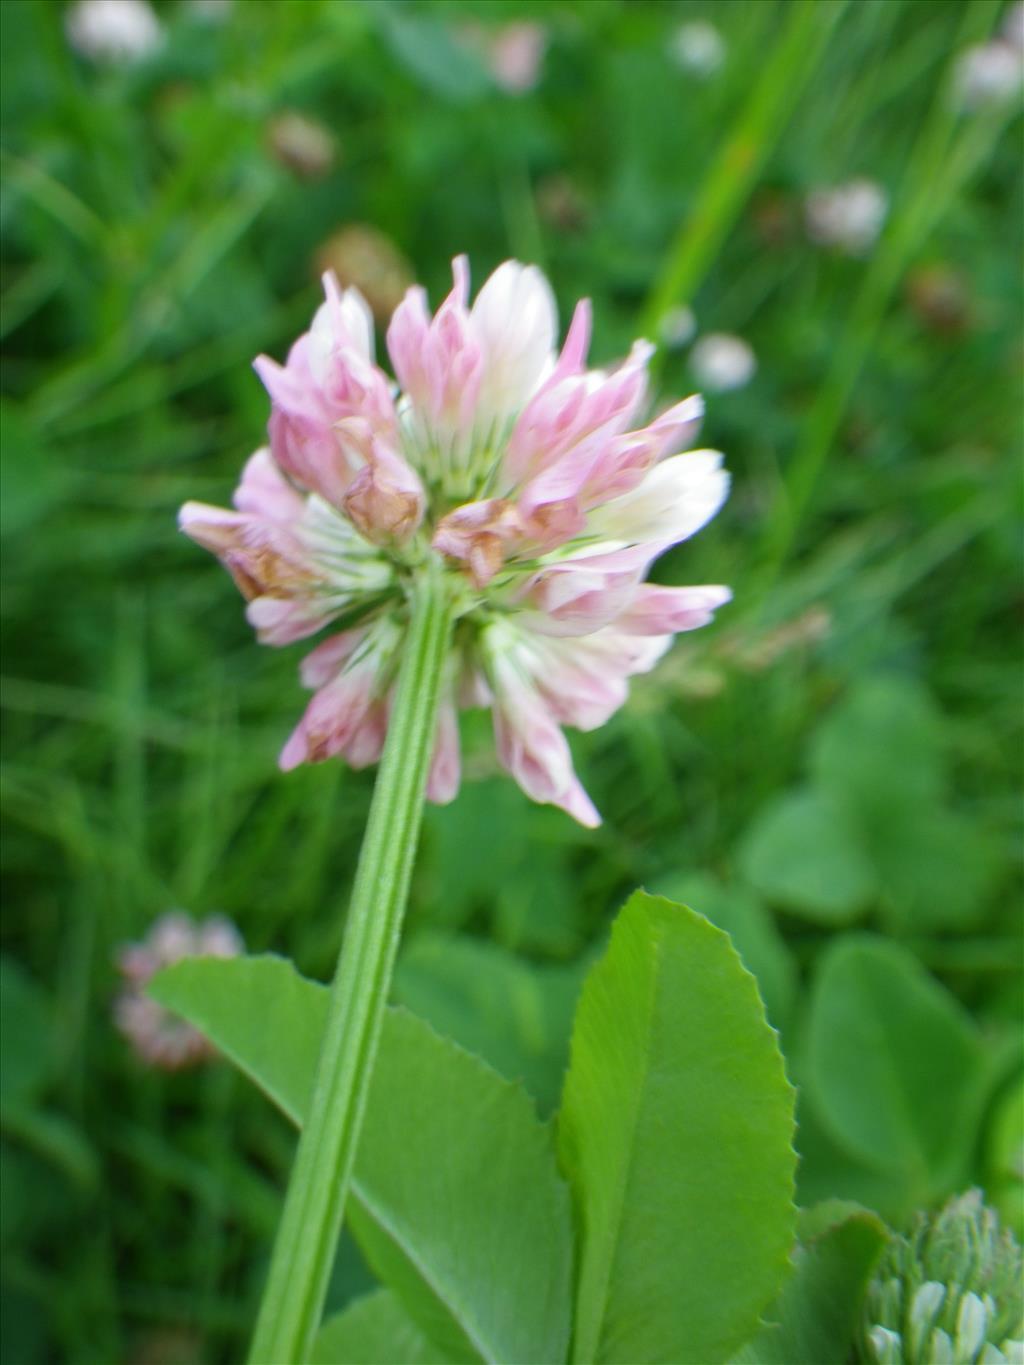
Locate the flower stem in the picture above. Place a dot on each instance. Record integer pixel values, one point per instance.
(315, 1202)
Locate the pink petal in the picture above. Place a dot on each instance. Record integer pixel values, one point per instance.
(583, 678)
(624, 462)
(578, 596)
(444, 776)
(569, 422)
(329, 375)
(577, 342)
(331, 720)
(283, 620)
(530, 744)
(265, 492)
(327, 660)
(439, 362)
(655, 610)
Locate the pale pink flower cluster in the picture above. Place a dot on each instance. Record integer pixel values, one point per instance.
(113, 30)
(524, 471)
(159, 1038)
(514, 52)
(848, 216)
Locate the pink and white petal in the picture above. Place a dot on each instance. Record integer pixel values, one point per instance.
(304, 445)
(583, 678)
(515, 320)
(331, 719)
(265, 492)
(580, 596)
(407, 344)
(624, 462)
(345, 317)
(673, 502)
(657, 610)
(283, 620)
(576, 416)
(573, 355)
(326, 661)
(214, 528)
(575, 802)
(366, 743)
(445, 768)
(529, 741)
(439, 362)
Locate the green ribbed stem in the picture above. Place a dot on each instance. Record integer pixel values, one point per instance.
(315, 1204)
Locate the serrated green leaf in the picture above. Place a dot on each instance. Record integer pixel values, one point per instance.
(373, 1330)
(805, 854)
(752, 930)
(455, 1175)
(815, 1319)
(676, 1132)
(895, 1063)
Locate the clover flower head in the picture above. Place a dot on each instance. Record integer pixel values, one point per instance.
(516, 466)
(159, 1038)
(990, 74)
(848, 216)
(722, 362)
(698, 47)
(113, 30)
(950, 1291)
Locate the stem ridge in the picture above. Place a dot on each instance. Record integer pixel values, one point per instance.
(315, 1202)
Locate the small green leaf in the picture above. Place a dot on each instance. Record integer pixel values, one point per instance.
(827, 1171)
(882, 742)
(372, 1330)
(804, 854)
(895, 1063)
(454, 1176)
(936, 867)
(816, 1317)
(676, 1132)
(427, 49)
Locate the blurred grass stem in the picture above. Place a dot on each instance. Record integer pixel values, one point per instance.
(950, 148)
(731, 177)
(315, 1203)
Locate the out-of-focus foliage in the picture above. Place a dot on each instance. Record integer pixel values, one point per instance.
(839, 751)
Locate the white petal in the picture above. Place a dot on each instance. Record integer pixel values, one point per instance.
(516, 321)
(675, 499)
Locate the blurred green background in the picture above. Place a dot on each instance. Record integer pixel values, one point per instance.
(831, 771)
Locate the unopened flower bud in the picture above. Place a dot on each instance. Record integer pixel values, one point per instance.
(301, 144)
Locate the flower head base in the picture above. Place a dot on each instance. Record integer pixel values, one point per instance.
(521, 470)
(158, 1037)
